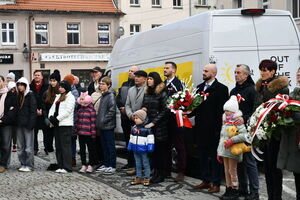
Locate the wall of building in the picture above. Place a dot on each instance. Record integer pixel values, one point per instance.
(21, 37)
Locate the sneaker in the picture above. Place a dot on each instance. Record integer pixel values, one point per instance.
(146, 182)
(89, 169)
(109, 171)
(252, 196)
(102, 168)
(21, 169)
(58, 170)
(26, 169)
(83, 169)
(63, 171)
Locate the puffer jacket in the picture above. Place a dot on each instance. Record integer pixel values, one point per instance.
(26, 113)
(106, 118)
(141, 139)
(241, 137)
(289, 152)
(65, 111)
(157, 111)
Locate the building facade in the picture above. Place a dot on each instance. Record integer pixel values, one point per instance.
(70, 37)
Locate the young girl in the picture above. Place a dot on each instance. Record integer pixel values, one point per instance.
(106, 122)
(26, 118)
(61, 116)
(231, 108)
(141, 142)
(85, 127)
(48, 99)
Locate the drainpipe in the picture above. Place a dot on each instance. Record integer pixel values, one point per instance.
(29, 46)
(190, 7)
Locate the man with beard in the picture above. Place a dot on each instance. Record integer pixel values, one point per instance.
(208, 122)
(175, 134)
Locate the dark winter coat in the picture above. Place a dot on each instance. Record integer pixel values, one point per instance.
(156, 111)
(39, 101)
(248, 92)
(173, 87)
(289, 152)
(122, 94)
(26, 115)
(208, 115)
(268, 89)
(106, 119)
(9, 115)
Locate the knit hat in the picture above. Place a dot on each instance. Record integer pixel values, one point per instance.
(66, 85)
(232, 104)
(11, 85)
(55, 75)
(11, 75)
(141, 114)
(70, 78)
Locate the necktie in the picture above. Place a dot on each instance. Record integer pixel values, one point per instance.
(206, 86)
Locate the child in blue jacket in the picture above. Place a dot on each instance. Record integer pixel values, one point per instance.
(141, 142)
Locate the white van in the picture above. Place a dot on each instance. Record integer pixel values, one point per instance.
(224, 37)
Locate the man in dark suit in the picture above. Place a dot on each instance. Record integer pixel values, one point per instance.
(208, 123)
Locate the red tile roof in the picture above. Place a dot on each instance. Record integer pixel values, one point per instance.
(94, 6)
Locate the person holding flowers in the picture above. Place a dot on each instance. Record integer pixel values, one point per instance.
(289, 151)
(268, 86)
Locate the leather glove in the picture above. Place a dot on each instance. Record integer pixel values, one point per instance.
(219, 159)
(47, 122)
(228, 143)
(150, 125)
(54, 121)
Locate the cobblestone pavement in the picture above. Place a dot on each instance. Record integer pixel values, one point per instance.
(41, 184)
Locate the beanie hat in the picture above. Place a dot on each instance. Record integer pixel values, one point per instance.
(70, 78)
(55, 75)
(11, 75)
(11, 85)
(232, 104)
(141, 114)
(66, 85)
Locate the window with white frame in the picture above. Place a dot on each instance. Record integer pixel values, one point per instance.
(41, 33)
(177, 3)
(202, 2)
(155, 25)
(155, 2)
(296, 9)
(265, 4)
(134, 2)
(135, 28)
(8, 33)
(103, 34)
(73, 34)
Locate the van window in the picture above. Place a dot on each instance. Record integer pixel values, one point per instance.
(233, 31)
(275, 31)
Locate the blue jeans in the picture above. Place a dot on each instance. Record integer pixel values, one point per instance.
(108, 148)
(142, 160)
(248, 170)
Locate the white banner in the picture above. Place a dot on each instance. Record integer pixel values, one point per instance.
(56, 57)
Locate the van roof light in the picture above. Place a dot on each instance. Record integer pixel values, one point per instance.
(253, 11)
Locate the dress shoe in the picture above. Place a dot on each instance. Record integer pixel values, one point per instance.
(179, 177)
(2, 169)
(214, 189)
(203, 185)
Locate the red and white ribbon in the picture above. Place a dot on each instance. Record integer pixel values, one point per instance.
(204, 95)
(240, 98)
(182, 119)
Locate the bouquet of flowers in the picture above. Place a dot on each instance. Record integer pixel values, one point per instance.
(267, 120)
(184, 102)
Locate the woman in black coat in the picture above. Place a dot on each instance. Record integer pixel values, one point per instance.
(267, 87)
(155, 103)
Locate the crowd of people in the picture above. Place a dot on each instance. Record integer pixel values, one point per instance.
(65, 113)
